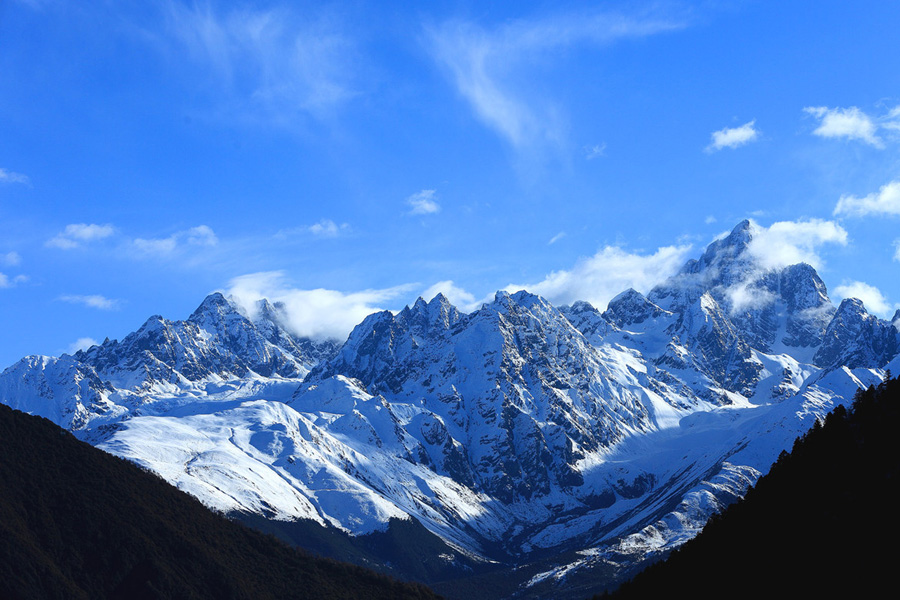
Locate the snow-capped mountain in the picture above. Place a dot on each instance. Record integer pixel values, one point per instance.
(516, 432)
(219, 342)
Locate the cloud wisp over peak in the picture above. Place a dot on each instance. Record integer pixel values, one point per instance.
(598, 278)
(317, 313)
(787, 243)
(873, 299)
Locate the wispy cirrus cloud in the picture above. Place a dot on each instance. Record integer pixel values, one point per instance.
(92, 301)
(595, 151)
(886, 201)
(78, 234)
(274, 62)
(733, 137)
(556, 238)
(13, 177)
(492, 68)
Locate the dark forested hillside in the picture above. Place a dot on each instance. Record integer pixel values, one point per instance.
(823, 520)
(76, 522)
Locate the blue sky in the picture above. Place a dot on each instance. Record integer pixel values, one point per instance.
(349, 156)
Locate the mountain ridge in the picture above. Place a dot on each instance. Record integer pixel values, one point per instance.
(516, 432)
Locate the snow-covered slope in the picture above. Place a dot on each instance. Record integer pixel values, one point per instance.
(163, 362)
(516, 432)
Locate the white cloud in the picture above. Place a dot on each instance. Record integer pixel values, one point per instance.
(457, 296)
(892, 119)
(92, 301)
(850, 123)
(556, 238)
(780, 245)
(709, 220)
(6, 282)
(201, 235)
(790, 242)
(491, 69)
(747, 296)
(599, 278)
(318, 313)
(326, 228)
(870, 295)
(10, 259)
(275, 63)
(884, 202)
(81, 344)
(76, 234)
(423, 203)
(158, 246)
(897, 250)
(11, 177)
(595, 151)
(733, 137)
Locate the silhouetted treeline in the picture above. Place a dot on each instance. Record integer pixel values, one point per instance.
(822, 521)
(76, 522)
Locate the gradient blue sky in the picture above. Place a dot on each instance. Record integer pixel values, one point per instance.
(348, 156)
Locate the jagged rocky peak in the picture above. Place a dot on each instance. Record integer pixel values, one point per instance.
(515, 375)
(631, 307)
(438, 312)
(725, 260)
(518, 304)
(731, 246)
(802, 288)
(60, 389)
(588, 320)
(775, 309)
(215, 309)
(855, 338)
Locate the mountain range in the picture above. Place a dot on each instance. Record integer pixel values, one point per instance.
(562, 446)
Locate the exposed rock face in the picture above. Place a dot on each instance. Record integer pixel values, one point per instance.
(516, 430)
(513, 391)
(855, 338)
(217, 342)
(217, 339)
